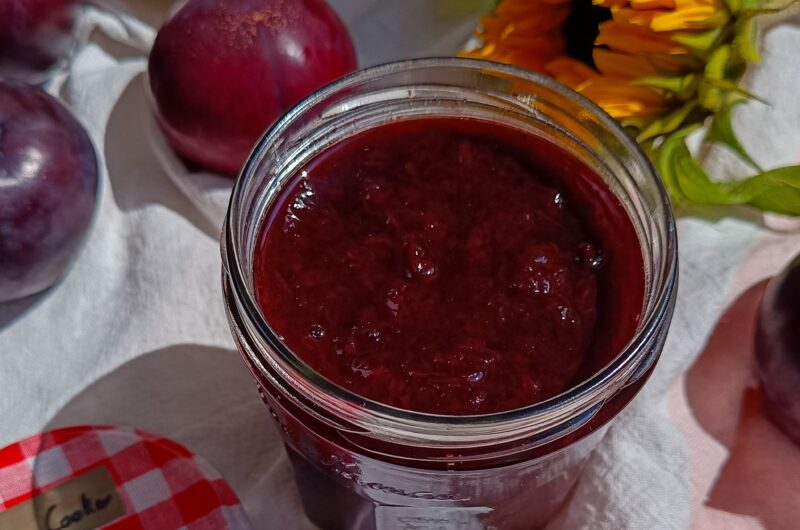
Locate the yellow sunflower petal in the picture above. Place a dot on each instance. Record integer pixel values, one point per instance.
(634, 17)
(621, 65)
(526, 33)
(635, 39)
(621, 100)
(549, 20)
(686, 14)
(691, 14)
(652, 4)
(568, 2)
(533, 55)
(673, 64)
(611, 3)
(570, 72)
(516, 9)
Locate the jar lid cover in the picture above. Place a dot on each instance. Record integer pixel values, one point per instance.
(115, 478)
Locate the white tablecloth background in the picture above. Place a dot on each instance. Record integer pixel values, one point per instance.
(136, 333)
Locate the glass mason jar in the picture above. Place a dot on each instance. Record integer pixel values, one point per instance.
(360, 464)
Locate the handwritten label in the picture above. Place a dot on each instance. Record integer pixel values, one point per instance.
(428, 518)
(86, 502)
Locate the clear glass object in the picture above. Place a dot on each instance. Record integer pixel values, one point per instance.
(363, 465)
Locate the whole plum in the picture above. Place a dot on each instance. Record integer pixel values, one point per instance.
(221, 71)
(48, 189)
(777, 346)
(34, 34)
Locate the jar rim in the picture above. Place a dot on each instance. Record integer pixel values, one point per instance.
(652, 316)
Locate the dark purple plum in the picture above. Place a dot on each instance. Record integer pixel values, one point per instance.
(777, 346)
(48, 189)
(221, 71)
(33, 35)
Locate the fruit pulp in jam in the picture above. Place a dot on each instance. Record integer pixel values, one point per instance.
(450, 266)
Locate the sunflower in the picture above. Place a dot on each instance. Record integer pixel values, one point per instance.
(662, 68)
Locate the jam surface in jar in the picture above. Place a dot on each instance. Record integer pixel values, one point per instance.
(450, 266)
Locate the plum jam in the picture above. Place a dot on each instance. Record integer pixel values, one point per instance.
(450, 266)
(447, 277)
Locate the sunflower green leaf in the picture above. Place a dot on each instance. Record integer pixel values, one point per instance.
(721, 132)
(775, 190)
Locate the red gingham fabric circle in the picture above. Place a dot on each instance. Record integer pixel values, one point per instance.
(162, 484)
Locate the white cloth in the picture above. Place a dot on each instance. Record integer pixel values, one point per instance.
(136, 333)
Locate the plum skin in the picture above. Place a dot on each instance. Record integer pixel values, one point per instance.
(49, 180)
(33, 35)
(222, 71)
(777, 349)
